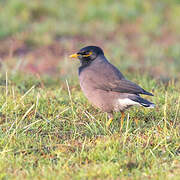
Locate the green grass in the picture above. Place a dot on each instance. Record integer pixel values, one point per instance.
(49, 131)
(39, 22)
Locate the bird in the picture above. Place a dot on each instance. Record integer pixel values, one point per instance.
(105, 86)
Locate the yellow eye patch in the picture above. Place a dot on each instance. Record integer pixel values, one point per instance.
(87, 55)
(76, 55)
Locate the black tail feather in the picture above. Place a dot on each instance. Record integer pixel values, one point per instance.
(147, 93)
(142, 101)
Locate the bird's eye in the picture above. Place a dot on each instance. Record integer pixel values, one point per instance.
(87, 54)
(84, 53)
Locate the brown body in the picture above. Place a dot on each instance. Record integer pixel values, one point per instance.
(106, 100)
(104, 85)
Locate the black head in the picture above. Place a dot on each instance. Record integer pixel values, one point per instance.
(88, 54)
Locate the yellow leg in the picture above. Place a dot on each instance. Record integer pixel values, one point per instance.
(122, 120)
(109, 122)
(136, 121)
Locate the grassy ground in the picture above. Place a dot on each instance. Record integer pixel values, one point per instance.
(48, 128)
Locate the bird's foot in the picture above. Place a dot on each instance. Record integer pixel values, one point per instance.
(136, 121)
(122, 120)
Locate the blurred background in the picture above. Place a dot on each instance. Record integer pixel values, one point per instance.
(138, 36)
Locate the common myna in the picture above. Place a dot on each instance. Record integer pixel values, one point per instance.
(105, 86)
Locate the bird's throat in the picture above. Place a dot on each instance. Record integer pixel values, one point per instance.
(84, 65)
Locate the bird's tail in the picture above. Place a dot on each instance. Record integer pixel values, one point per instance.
(143, 102)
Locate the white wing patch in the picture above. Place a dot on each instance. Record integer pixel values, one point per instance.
(152, 106)
(122, 104)
(127, 102)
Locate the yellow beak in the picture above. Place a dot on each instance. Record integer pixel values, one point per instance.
(74, 56)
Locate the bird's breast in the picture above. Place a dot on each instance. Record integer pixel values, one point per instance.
(87, 85)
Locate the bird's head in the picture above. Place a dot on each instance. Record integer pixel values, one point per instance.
(88, 54)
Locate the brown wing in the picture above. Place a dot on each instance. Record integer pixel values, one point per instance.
(109, 78)
(122, 86)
